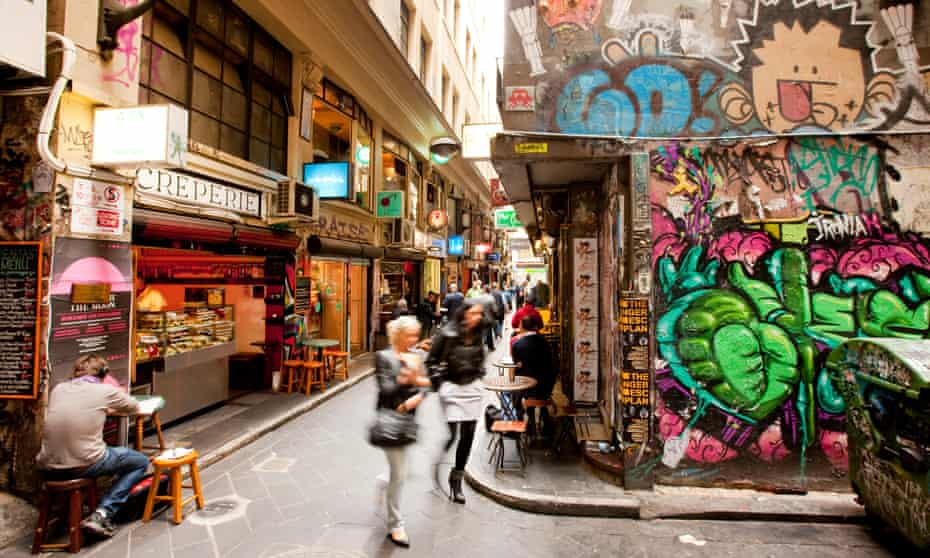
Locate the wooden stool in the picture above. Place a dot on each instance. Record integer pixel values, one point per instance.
(173, 467)
(530, 406)
(294, 371)
(140, 432)
(337, 361)
(314, 375)
(507, 429)
(72, 492)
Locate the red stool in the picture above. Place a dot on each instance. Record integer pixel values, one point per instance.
(72, 492)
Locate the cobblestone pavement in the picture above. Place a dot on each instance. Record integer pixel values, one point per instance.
(310, 489)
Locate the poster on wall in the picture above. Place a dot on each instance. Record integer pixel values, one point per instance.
(635, 385)
(20, 292)
(97, 208)
(585, 320)
(98, 321)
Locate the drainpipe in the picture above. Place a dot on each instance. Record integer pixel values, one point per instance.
(69, 55)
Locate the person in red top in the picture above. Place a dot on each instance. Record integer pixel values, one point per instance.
(528, 310)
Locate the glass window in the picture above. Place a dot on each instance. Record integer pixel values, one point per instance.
(232, 77)
(413, 194)
(332, 132)
(404, 27)
(362, 174)
(424, 58)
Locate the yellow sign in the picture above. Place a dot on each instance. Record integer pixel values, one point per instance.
(531, 148)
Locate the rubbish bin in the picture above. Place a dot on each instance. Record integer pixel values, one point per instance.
(885, 385)
(247, 371)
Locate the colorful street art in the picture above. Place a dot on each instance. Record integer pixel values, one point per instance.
(708, 68)
(765, 259)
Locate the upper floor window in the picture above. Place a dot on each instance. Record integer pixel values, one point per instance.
(404, 27)
(342, 132)
(232, 76)
(425, 48)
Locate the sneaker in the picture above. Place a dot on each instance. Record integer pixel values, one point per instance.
(99, 525)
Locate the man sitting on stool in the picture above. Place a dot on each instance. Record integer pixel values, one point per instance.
(72, 440)
(532, 355)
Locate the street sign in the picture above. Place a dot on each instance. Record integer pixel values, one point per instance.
(390, 204)
(506, 218)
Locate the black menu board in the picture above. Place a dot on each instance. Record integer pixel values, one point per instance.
(302, 295)
(20, 292)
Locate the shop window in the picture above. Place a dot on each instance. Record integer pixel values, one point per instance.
(234, 79)
(362, 175)
(342, 132)
(404, 27)
(413, 195)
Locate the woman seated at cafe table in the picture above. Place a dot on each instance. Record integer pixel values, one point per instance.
(72, 439)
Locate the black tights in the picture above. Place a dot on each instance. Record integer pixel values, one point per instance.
(466, 435)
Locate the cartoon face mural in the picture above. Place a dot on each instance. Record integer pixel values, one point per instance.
(709, 68)
(808, 70)
(749, 306)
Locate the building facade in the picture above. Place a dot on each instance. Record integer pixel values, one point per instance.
(750, 173)
(277, 97)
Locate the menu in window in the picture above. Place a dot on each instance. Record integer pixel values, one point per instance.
(20, 292)
(302, 295)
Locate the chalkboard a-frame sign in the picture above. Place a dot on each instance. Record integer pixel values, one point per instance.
(20, 294)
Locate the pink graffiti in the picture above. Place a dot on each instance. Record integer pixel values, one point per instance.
(667, 241)
(702, 447)
(822, 261)
(770, 446)
(126, 52)
(570, 12)
(878, 258)
(741, 246)
(835, 446)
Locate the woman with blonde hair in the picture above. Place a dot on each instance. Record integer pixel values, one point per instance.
(401, 388)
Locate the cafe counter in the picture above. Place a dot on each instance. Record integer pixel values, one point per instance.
(188, 354)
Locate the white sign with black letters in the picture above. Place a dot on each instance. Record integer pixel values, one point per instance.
(186, 188)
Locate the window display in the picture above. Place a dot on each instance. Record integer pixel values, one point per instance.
(161, 334)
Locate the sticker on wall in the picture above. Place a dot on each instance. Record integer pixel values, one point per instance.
(585, 320)
(521, 98)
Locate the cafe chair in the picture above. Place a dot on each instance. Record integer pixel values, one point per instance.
(338, 363)
(173, 468)
(72, 493)
(314, 375)
(156, 424)
(513, 430)
(293, 369)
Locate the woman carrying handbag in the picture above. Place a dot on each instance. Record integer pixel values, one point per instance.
(401, 388)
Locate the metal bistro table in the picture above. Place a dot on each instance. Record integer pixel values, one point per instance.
(319, 345)
(503, 387)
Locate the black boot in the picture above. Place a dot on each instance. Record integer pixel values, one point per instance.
(455, 486)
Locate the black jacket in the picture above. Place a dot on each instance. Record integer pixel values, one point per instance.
(452, 359)
(532, 351)
(390, 393)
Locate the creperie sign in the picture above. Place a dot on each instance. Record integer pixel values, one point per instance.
(195, 190)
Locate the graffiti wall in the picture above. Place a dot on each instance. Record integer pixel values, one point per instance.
(765, 258)
(708, 68)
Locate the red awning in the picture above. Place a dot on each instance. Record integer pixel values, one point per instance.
(161, 225)
(264, 238)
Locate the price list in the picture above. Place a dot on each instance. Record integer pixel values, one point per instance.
(20, 280)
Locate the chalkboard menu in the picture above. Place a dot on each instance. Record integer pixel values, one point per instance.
(302, 295)
(20, 292)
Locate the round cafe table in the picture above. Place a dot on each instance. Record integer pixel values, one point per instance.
(503, 386)
(320, 344)
(503, 366)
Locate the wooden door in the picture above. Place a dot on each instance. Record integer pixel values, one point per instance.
(333, 293)
(358, 309)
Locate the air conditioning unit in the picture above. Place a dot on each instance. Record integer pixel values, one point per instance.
(398, 232)
(295, 200)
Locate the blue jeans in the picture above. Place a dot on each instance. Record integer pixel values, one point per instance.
(127, 465)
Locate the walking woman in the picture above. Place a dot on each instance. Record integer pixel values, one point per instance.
(456, 364)
(401, 388)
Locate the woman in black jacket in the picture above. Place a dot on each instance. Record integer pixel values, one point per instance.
(456, 364)
(399, 371)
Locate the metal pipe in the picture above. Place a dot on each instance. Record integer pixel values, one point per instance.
(69, 56)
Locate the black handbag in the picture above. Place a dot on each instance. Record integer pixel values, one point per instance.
(392, 429)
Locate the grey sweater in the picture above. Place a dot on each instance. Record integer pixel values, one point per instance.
(73, 433)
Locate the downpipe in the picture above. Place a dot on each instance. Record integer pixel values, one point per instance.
(46, 124)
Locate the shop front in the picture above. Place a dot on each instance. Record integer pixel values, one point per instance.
(213, 289)
(337, 271)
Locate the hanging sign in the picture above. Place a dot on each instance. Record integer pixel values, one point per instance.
(390, 204)
(438, 219)
(152, 135)
(97, 208)
(190, 189)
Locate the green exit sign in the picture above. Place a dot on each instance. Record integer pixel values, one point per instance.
(506, 219)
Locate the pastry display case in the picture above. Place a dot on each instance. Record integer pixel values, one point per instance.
(162, 334)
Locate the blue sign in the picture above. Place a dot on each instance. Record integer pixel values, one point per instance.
(330, 180)
(493, 257)
(456, 245)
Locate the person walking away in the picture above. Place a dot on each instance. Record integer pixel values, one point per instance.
(501, 311)
(518, 295)
(426, 313)
(72, 439)
(401, 384)
(456, 366)
(400, 308)
(533, 357)
(542, 293)
(486, 299)
(453, 300)
(527, 310)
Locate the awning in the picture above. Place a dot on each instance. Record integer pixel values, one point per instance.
(319, 245)
(404, 254)
(160, 225)
(265, 238)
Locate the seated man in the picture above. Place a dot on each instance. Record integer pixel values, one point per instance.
(532, 355)
(72, 440)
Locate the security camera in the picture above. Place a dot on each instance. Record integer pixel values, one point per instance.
(443, 149)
